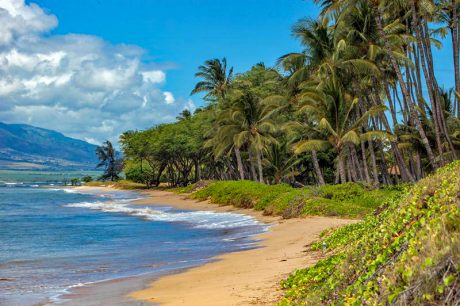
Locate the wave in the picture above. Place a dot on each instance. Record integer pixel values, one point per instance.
(198, 219)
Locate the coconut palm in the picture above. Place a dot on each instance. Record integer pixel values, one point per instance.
(215, 77)
(336, 119)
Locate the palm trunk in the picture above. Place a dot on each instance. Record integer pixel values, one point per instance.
(439, 110)
(405, 174)
(365, 166)
(259, 165)
(319, 174)
(375, 173)
(424, 58)
(455, 50)
(341, 167)
(253, 169)
(403, 87)
(239, 162)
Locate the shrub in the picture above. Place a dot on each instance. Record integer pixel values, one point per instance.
(341, 192)
(86, 179)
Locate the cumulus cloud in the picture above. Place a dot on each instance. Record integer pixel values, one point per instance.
(80, 85)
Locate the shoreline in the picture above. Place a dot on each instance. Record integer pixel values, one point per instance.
(236, 278)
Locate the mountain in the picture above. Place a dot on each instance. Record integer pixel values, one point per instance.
(27, 147)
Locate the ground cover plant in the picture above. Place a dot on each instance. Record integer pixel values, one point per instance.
(407, 253)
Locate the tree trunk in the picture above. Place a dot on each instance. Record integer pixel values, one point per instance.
(197, 170)
(253, 169)
(259, 166)
(375, 173)
(455, 50)
(405, 174)
(239, 162)
(341, 166)
(439, 110)
(365, 166)
(403, 87)
(319, 174)
(424, 58)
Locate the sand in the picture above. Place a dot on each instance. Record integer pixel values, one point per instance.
(250, 277)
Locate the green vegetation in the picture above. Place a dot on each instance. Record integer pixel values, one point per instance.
(360, 107)
(360, 102)
(408, 253)
(346, 200)
(121, 184)
(110, 161)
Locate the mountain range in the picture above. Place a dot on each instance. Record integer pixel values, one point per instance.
(28, 147)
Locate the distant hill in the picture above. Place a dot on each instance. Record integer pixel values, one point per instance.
(27, 147)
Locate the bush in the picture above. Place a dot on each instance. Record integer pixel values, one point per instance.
(86, 179)
(347, 200)
(342, 191)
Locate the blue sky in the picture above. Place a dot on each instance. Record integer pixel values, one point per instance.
(93, 69)
(181, 34)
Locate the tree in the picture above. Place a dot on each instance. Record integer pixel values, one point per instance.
(215, 79)
(109, 159)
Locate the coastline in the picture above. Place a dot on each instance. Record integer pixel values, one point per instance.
(238, 278)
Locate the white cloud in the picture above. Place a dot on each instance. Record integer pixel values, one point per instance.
(80, 85)
(169, 97)
(154, 76)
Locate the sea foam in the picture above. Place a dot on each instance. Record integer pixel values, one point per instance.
(197, 219)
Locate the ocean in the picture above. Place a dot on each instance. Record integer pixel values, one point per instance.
(54, 238)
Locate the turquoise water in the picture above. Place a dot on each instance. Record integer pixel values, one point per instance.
(55, 238)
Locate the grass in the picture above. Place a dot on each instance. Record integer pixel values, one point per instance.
(122, 184)
(406, 253)
(348, 200)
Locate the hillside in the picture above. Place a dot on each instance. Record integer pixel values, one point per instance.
(28, 147)
(406, 253)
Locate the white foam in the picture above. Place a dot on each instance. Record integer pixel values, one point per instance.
(198, 219)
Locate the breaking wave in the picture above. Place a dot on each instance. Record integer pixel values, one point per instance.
(197, 219)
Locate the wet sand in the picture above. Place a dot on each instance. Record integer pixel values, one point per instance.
(250, 277)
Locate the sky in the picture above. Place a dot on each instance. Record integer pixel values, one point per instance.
(92, 69)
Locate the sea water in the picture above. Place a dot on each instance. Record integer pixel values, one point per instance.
(55, 238)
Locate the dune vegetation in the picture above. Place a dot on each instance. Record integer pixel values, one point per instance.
(407, 253)
(351, 200)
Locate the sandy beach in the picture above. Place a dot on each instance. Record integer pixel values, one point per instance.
(250, 277)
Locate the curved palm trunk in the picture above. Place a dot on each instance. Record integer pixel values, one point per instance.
(403, 87)
(239, 162)
(428, 80)
(319, 174)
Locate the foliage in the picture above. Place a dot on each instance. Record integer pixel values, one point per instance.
(406, 253)
(290, 202)
(110, 161)
(87, 179)
(121, 184)
(359, 102)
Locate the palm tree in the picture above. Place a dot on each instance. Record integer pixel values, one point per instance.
(215, 79)
(109, 160)
(336, 120)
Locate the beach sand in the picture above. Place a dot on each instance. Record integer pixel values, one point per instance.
(250, 277)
